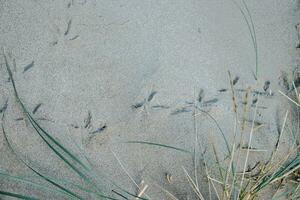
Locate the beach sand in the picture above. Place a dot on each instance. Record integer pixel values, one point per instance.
(92, 66)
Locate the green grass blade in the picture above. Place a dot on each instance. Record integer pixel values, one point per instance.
(60, 155)
(129, 193)
(251, 28)
(29, 116)
(218, 162)
(219, 128)
(15, 195)
(55, 141)
(28, 181)
(159, 145)
(48, 179)
(119, 194)
(54, 145)
(87, 179)
(47, 137)
(254, 37)
(66, 182)
(282, 172)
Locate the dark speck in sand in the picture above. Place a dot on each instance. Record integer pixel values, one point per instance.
(222, 90)
(68, 27)
(181, 110)
(266, 85)
(235, 80)
(27, 67)
(138, 105)
(54, 43)
(161, 107)
(215, 100)
(189, 102)
(201, 95)
(19, 119)
(199, 30)
(74, 38)
(254, 101)
(74, 126)
(36, 108)
(100, 129)
(151, 96)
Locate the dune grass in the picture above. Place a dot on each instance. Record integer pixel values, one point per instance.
(247, 17)
(276, 171)
(234, 185)
(79, 167)
(249, 188)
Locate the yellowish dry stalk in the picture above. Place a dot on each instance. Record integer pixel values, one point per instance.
(142, 189)
(297, 104)
(247, 155)
(192, 183)
(169, 194)
(241, 135)
(129, 176)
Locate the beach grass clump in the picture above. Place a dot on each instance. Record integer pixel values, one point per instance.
(82, 168)
(236, 180)
(233, 180)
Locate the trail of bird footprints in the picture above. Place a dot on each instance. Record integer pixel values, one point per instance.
(147, 102)
(201, 102)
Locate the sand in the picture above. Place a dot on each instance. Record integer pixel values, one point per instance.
(103, 57)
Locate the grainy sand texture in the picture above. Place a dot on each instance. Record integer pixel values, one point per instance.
(97, 74)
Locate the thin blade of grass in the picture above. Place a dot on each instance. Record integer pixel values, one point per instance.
(65, 182)
(86, 178)
(219, 128)
(281, 173)
(133, 195)
(209, 182)
(18, 196)
(27, 113)
(119, 194)
(126, 172)
(129, 193)
(61, 156)
(169, 194)
(48, 179)
(196, 141)
(254, 37)
(215, 189)
(192, 183)
(289, 98)
(279, 137)
(159, 145)
(29, 181)
(124, 169)
(251, 28)
(218, 162)
(247, 155)
(48, 139)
